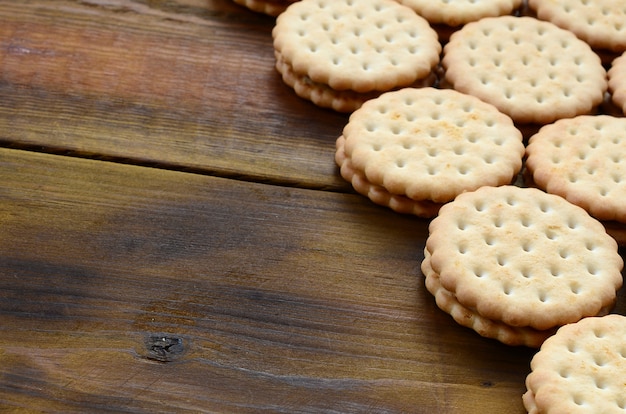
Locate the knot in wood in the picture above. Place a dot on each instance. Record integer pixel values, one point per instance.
(164, 348)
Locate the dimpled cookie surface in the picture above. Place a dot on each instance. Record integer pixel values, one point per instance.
(361, 45)
(524, 257)
(583, 159)
(432, 144)
(581, 369)
(531, 70)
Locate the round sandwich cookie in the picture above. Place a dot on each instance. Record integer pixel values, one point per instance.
(581, 369)
(532, 70)
(269, 7)
(583, 159)
(617, 82)
(515, 264)
(340, 53)
(600, 23)
(417, 148)
(447, 16)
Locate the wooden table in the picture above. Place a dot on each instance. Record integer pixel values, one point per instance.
(175, 236)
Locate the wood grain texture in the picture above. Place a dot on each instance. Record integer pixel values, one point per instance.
(231, 269)
(180, 84)
(135, 289)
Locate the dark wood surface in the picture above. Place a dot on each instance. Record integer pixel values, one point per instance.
(175, 236)
(186, 85)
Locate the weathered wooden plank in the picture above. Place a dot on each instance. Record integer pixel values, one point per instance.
(187, 85)
(127, 288)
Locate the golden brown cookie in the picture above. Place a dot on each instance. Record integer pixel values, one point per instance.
(583, 159)
(360, 46)
(531, 70)
(524, 258)
(428, 145)
(581, 369)
(600, 23)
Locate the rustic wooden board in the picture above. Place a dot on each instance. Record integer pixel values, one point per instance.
(126, 288)
(187, 84)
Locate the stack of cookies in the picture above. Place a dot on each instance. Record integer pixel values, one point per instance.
(417, 148)
(340, 53)
(600, 23)
(581, 369)
(583, 159)
(515, 264)
(531, 70)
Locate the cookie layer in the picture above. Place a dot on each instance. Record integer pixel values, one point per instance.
(432, 144)
(531, 70)
(581, 369)
(600, 23)
(524, 257)
(583, 159)
(359, 45)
